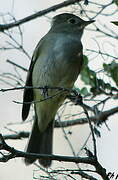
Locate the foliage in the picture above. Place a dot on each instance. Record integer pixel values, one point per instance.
(89, 77)
(93, 85)
(115, 22)
(112, 70)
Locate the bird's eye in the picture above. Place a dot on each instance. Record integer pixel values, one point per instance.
(72, 21)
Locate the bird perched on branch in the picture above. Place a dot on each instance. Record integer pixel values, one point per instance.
(56, 62)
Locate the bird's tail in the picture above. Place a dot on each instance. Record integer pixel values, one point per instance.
(40, 143)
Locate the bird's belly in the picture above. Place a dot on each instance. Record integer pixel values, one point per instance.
(57, 68)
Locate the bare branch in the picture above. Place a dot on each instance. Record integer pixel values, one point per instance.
(92, 132)
(13, 153)
(19, 135)
(99, 119)
(39, 87)
(38, 14)
(99, 52)
(17, 65)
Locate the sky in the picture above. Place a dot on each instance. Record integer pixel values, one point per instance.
(11, 112)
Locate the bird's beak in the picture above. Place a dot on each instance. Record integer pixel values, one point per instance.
(88, 22)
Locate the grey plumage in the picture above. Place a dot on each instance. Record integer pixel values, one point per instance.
(57, 61)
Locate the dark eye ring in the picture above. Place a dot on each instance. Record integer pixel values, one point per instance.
(72, 21)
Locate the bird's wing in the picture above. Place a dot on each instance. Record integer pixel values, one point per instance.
(28, 92)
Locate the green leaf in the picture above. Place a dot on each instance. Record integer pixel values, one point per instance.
(84, 91)
(97, 86)
(85, 60)
(116, 2)
(97, 132)
(115, 22)
(112, 70)
(77, 89)
(88, 76)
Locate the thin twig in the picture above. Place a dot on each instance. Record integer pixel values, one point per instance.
(17, 65)
(92, 132)
(99, 52)
(36, 15)
(13, 153)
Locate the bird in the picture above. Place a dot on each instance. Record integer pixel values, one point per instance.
(56, 62)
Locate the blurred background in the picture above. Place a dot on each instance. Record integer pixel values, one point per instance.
(17, 45)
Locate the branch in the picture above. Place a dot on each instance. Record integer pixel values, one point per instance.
(75, 171)
(13, 153)
(45, 88)
(19, 135)
(74, 97)
(17, 65)
(98, 119)
(101, 118)
(36, 15)
(92, 131)
(102, 53)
